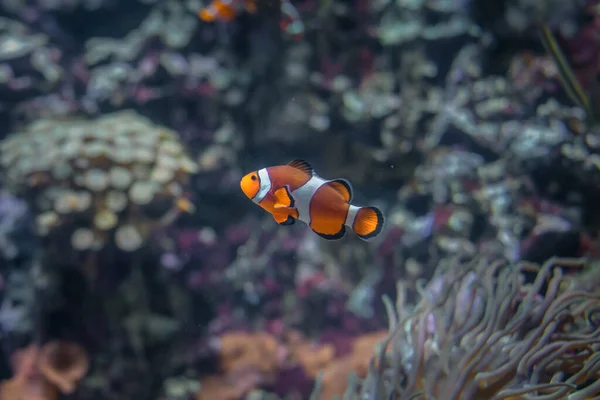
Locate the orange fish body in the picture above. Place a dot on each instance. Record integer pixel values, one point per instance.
(225, 10)
(295, 192)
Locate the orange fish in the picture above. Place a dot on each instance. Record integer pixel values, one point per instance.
(225, 10)
(295, 192)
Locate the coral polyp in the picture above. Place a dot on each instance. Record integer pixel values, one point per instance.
(111, 179)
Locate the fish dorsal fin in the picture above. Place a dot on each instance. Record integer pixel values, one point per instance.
(302, 166)
(283, 198)
(343, 187)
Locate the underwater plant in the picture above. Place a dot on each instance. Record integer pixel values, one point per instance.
(482, 331)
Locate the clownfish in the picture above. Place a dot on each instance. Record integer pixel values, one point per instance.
(295, 192)
(225, 10)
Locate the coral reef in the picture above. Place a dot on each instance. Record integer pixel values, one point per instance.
(122, 118)
(481, 331)
(42, 372)
(287, 365)
(94, 183)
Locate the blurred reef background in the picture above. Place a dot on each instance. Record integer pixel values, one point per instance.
(133, 267)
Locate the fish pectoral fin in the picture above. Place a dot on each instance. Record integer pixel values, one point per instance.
(343, 187)
(284, 218)
(283, 198)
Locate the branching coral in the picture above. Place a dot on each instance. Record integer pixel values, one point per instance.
(247, 361)
(27, 63)
(252, 360)
(481, 331)
(42, 372)
(259, 350)
(63, 364)
(336, 374)
(93, 182)
(311, 356)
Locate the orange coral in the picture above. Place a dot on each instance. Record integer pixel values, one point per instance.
(27, 383)
(312, 357)
(63, 364)
(259, 351)
(335, 377)
(249, 360)
(41, 372)
(363, 350)
(228, 387)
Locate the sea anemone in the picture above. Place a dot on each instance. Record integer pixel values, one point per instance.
(481, 331)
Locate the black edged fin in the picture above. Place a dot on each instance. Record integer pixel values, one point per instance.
(284, 198)
(289, 221)
(302, 166)
(335, 236)
(343, 187)
(282, 218)
(368, 223)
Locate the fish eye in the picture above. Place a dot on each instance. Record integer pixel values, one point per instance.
(253, 177)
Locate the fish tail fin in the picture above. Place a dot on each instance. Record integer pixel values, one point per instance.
(368, 222)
